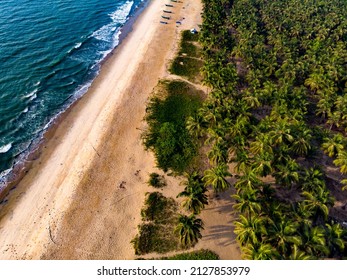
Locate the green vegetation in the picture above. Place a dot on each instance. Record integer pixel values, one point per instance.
(189, 49)
(196, 255)
(171, 115)
(189, 228)
(278, 75)
(194, 193)
(163, 229)
(188, 36)
(189, 45)
(156, 233)
(156, 180)
(186, 67)
(166, 116)
(158, 208)
(188, 62)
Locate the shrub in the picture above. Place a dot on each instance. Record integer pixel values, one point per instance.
(156, 180)
(167, 136)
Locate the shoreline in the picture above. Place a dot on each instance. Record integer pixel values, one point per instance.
(33, 218)
(20, 169)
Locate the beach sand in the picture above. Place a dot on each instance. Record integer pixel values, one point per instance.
(82, 197)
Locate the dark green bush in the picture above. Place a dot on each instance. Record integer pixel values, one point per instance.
(167, 136)
(156, 180)
(188, 36)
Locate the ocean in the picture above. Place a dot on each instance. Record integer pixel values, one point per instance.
(50, 52)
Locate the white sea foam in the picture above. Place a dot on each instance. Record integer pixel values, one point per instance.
(49, 123)
(31, 94)
(77, 46)
(78, 94)
(5, 148)
(82, 90)
(34, 96)
(5, 173)
(119, 17)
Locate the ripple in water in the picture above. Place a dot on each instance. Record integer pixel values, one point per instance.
(51, 51)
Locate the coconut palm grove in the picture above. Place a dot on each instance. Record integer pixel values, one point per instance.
(273, 126)
(278, 113)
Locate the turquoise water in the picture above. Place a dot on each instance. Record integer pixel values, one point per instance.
(50, 51)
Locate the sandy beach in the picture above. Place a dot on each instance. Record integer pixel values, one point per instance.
(82, 197)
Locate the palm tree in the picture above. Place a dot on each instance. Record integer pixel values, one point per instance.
(298, 255)
(312, 179)
(315, 81)
(241, 157)
(250, 230)
(318, 202)
(335, 234)
(301, 214)
(341, 108)
(189, 228)
(216, 177)
(263, 164)
(196, 124)
(194, 193)
(333, 146)
(247, 202)
(259, 251)
(284, 233)
(324, 106)
(344, 183)
(301, 143)
(251, 100)
(334, 119)
(248, 181)
(313, 241)
(218, 153)
(341, 161)
(239, 127)
(281, 133)
(261, 145)
(287, 174)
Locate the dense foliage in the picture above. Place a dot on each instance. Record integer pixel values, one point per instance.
(167, 134)
(278, 73)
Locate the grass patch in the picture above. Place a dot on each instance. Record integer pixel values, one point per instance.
(187, 67)
(189, 36)
(166, 116)
(202, 254)
(153, 238)
(158, 208)
(196, 255)
(156, 180)
(156, 233)
(188, 63)
(189, 49)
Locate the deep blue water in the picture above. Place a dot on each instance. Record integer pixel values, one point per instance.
(50, 51)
